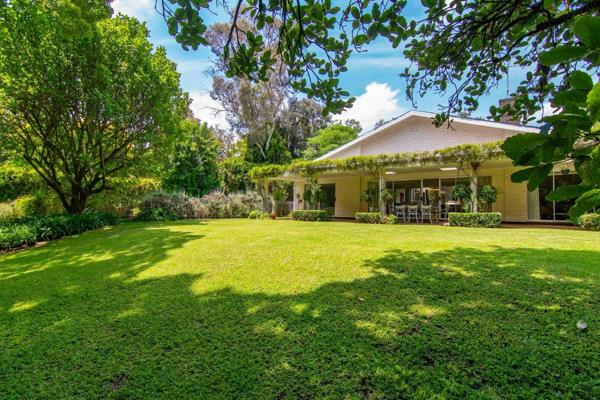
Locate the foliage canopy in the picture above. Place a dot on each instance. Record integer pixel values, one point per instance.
(83, 97)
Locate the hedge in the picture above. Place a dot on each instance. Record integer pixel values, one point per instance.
(28, 231)
(390, 219)
(590, 222)
(311, 215)
(368, 217)
(483, 220)
(256, 214)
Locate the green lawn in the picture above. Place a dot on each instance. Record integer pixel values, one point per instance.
(245, 309)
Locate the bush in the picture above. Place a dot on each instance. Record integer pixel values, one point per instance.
(17, 180)
(172, 206)
(590, 222)
(234, 205)
(33, 205)
(167, 206)
(368, 217)
(310, 215)
(12, 237)
(27, 231)
(258, 215)
(483, 220)
(156, 214)
(390, 219)
(125, 196)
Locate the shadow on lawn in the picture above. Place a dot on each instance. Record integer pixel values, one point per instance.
(453, 324)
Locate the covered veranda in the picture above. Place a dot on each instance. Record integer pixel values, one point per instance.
(425, 189)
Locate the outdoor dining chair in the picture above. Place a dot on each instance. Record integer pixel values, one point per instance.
(413, 211)
(426, 213)
(401, 212)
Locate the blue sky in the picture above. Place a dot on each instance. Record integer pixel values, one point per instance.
(372, 76)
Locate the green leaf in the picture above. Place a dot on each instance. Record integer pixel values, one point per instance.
(593, 102)
(517, 145)
(361, 39)
(585, 202)
(567, 192)
(589, 168)
(569, 96)
(428, 3)
(581, 81)
(521, 175)
(538, 175)
(587, 28)
(561, 54)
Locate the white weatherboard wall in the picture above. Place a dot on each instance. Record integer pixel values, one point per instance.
(419, 134)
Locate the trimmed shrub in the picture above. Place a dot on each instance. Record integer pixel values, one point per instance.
(368, 217)
(482, 220)
(310, 215)
(590, 222)
(390, 219)
(255, 214)
(27, 231)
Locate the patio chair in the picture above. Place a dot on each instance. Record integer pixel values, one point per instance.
(426, 212)
(401, 212)
(413, 211)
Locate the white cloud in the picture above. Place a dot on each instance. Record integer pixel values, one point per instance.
(134, 8)
(546, 111)
(206, 109)
(196, 67)
(379, 101)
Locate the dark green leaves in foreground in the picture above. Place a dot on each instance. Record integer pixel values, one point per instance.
(574, 132)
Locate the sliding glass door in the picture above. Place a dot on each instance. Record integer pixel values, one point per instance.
(546, 210)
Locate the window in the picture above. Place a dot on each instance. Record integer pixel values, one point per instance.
(541, 209)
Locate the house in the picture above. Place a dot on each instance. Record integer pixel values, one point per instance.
(414, 132)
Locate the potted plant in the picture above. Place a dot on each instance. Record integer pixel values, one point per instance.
(462, 192)
(487, 195)
(279, 194)
(371, 197)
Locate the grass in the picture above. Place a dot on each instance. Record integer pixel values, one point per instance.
(290, 310)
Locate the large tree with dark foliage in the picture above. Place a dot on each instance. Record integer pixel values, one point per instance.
(83, 97)
(193, 168)
(460, 49)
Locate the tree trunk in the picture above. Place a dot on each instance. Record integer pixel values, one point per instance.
(381, 202)
(473, 180)
(78, 202)
(264, 193)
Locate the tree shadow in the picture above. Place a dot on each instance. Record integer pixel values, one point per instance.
(450, 324)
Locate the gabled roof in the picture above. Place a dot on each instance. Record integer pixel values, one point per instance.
(430, 115)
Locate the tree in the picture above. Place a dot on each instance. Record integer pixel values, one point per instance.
(328, 139)
(460, 49)
(300, 121)
(83, 97)
(193, 166)
(379, 123)
(233, 174)
(252, 109)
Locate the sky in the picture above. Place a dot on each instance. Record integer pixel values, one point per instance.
(372, 76)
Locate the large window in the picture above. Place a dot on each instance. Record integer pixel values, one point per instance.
(542, 209)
